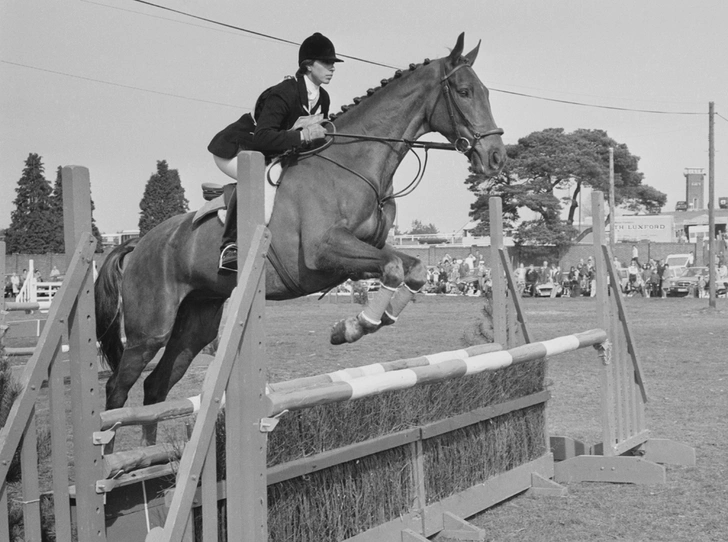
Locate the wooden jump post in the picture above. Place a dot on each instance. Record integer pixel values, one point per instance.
(627, 453)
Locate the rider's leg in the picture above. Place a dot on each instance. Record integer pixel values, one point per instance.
(228, 248)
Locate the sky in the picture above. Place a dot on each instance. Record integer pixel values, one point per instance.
(116, 85)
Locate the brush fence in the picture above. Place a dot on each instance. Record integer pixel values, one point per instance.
(371, 452)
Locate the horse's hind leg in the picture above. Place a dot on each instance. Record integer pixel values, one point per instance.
(195, 327)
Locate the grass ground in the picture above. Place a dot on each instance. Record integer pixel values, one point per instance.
(683, 348)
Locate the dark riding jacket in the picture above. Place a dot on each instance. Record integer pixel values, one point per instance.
(269, 131)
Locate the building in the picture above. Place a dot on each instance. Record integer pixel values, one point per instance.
(695, 188)
(115, 239)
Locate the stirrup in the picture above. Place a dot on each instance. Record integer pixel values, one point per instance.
(231, 265)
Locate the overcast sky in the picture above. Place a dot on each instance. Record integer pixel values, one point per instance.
(117, 85)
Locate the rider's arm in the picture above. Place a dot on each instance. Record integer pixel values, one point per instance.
(271, 132)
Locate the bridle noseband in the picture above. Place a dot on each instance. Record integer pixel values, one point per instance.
(462, 144)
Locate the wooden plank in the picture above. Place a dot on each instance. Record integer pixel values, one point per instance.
(85, 396)
(603, 320)
(30, 483)
(4, 521)
(478, 415)
(543, 487)
(408, 535)
(619, 469)
(456, 529)
(208, 493)
(631, 344)
(59, 447)
(247, 404)
(352, 452)
(500, 322)
(417, 458)
(669, 452)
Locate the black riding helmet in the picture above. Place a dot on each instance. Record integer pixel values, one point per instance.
(317, 47)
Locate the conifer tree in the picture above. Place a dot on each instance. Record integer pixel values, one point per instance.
(163, 198)
(31, 231)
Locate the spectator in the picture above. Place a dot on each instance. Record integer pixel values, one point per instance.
(635, 253)
(531, 280)
(543, 273)
(55, 273)
(664, 279)
(520, 278)
(15, 283)
(574, 282)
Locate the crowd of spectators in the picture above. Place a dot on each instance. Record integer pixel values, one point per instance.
(459, 276)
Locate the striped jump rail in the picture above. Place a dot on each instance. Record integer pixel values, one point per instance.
(344, 375)
(177, 408)
(406, 378)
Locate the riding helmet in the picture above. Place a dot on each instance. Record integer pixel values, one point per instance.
(317, 47)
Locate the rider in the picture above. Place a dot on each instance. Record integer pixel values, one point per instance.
(287, 116)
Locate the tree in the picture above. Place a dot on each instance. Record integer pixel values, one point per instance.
(418, 228)
(163, 198)
(545, 161)
(30, 230)
(58, 244)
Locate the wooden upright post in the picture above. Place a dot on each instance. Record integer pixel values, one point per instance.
(500, 316)
(85, 398)
(612, 215)
(712, 275)
(246, 445)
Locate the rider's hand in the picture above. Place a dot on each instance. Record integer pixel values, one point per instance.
(313, 132)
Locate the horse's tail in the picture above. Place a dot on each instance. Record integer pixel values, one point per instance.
(107, 291)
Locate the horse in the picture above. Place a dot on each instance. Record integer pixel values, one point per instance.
(332, 212)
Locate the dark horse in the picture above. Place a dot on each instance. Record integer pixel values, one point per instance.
(330, 221)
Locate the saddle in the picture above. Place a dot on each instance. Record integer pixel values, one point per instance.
(216, 198)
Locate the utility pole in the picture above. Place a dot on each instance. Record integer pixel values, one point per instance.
(612, 219)
(712, 275)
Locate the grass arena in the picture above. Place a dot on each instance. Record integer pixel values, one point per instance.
(682, 347)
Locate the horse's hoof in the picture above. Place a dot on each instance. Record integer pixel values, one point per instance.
(346, 331)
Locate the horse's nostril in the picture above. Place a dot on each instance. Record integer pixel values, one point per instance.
(495, 159)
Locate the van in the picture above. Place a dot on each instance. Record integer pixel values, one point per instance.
(679, 261)
(681, 206)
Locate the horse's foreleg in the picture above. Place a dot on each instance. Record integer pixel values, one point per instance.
(195, 327)
(402, 276)
(415, 276)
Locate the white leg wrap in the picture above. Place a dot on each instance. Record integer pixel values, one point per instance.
(399, 301)
(372, 313)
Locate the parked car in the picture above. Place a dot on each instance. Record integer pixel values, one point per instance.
(685, 283)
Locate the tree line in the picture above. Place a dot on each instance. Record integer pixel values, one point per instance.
(539, 165)
(36, 225)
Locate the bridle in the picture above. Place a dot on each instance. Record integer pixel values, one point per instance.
(462, 144)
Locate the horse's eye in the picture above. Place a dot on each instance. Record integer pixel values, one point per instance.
(464, 92)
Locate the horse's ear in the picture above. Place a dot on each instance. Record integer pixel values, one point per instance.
(458, 49)
(472, 55)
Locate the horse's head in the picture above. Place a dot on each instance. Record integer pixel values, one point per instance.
(462, 112)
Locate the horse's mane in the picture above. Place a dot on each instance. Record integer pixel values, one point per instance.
(383, 83)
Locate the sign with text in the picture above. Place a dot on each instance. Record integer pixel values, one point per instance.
(656, 228)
